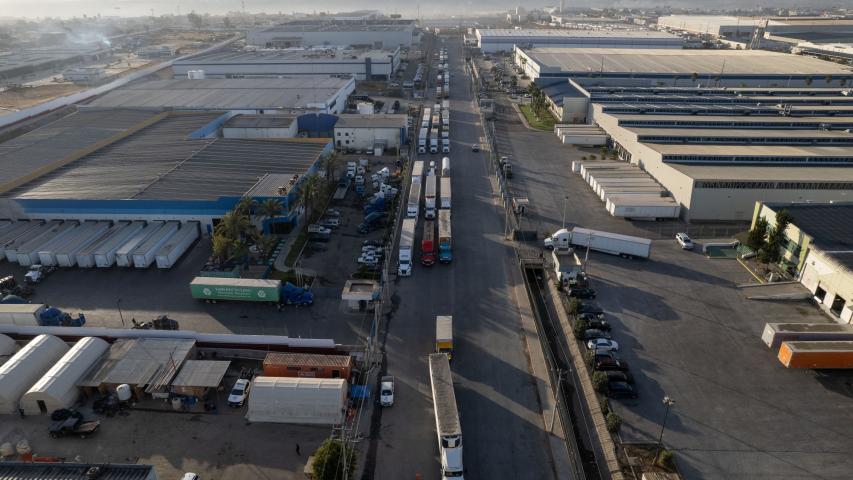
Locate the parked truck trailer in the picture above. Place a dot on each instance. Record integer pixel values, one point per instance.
(817, 355)
(407, 241)
(776, 333)
(447, 425)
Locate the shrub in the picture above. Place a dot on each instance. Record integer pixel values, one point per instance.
(666, 459)
(592, 157)
(599, 381)
(589, 356)
(579, 328)
(605, 407)
(613, 422)
(573, 305)
(583, 158)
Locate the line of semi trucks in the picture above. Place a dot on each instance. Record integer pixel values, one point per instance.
(96, 243)
(434, 134)
(437, 207)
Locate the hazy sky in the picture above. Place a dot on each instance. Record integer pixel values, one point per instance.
(133, 8)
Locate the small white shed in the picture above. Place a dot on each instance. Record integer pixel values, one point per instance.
(25, 368)
(317, 401)
(58, 387)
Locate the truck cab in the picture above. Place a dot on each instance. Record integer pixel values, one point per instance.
(560, 242)
(404, 269)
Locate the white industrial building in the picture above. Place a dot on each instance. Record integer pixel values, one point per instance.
(743, 28)
(504, 40)
(362, 64)
(317, 401)
(818, 247)
(58, 387)
(767, 127)
(373, 33)
(26, 367)
(370, 132)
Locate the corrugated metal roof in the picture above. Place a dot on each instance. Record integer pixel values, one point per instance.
(371, 121)
(201, 373)
(231, 94)
(260, 121)
(138, 361)
(310, 359)
(72, 471)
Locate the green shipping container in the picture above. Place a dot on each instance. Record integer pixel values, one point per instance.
(238, 289)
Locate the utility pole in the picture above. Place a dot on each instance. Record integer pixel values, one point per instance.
(668, 402)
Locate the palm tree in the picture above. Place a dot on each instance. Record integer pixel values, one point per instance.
(234, 226)
(245, 206)
(269, 208)
(310, 189)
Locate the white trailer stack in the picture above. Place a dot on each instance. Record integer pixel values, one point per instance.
(88, 233)
(177, 245)
(144, 254)
(27, 253)
(123, 256)
(12, 234)
(86, 256)
(105, 253)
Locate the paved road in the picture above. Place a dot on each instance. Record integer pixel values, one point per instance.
(498, 404)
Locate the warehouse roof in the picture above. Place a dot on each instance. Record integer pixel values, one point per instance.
(73, 471)
(499, 33)
(139, 361)
(785, 173)
(162, 162)
(378, 25)
(304, 91)
(752, 150)
(666, 61)
(295, 56)
(829, 224)
(201, 373)
(729, 118)
(371, 121)
(58, 140)
(260, 121)
(741, 132)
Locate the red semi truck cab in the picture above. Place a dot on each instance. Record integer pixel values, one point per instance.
(428, 244)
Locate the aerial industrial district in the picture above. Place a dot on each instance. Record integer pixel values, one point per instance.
(231, 249)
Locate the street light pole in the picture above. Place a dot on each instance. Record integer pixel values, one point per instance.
(118, 304)
(668, 402)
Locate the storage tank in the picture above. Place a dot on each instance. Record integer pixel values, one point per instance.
(316, 401)
(26, 367)
(58, 387)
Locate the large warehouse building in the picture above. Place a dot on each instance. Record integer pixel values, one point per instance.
(742, 28)
(716, 150)
(373, 33)
(360, 64)
(160, 166)
(314, 93)
(504, 40)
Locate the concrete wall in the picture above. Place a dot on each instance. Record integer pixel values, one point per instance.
(365, 138)
(737, 204)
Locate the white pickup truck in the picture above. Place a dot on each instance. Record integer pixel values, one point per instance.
(386, 391)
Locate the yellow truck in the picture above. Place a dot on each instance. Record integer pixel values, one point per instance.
(444, 335)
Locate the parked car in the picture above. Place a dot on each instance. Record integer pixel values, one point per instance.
(606, 365)
(621, 390)
(319, 229)
(373, 243)
(590, 307)
(593, 333)
(619, 377)
(330, 222)
(239, 393)
(595, 321)
(684, 240)
(475, 147)
(581, 292)
(602, 344)
(386, 391)
(368, 259)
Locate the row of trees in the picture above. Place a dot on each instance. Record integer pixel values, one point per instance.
(768, 241)
(538, 103)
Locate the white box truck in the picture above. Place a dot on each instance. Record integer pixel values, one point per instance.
(422, 140)
(407, 242)
(429, 197)
(414, 205)
(445, 192)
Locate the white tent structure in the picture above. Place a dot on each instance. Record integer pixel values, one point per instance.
(8, 347)
(58, 387)
(318, 401)
(26, 367)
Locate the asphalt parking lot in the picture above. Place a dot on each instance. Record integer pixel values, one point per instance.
(688, 333)
(220, 446)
